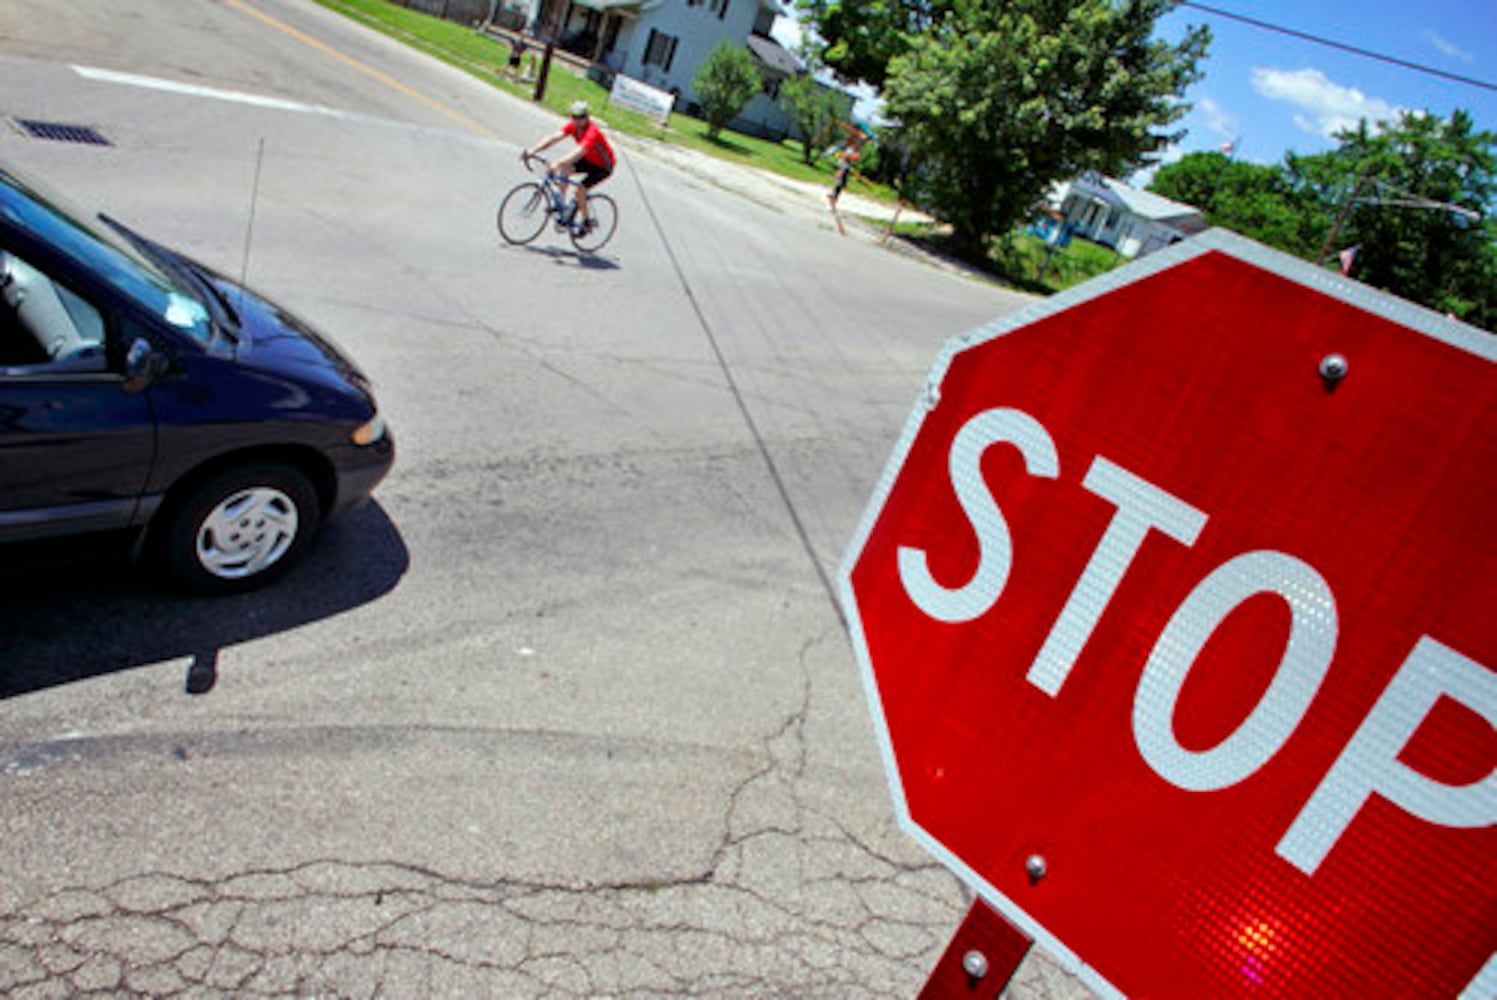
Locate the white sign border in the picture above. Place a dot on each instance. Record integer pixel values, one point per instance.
(1415, 317)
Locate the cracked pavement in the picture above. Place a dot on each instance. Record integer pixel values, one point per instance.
(792, 899)
(386, 929)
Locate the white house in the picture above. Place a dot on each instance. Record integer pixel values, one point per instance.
(1131, 221)
(663, 42)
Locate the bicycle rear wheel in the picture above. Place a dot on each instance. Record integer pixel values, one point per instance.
(522, 213)
(601, 210)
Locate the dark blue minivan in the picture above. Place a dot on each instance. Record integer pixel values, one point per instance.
(146, 398)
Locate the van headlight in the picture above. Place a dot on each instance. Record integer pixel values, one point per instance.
(370, 431)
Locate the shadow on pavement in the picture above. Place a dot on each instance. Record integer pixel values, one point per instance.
(73, 622)
(567, 255)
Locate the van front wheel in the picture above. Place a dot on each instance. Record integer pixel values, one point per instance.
(241, 528)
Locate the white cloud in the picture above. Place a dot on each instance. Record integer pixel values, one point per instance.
(1322, 106)
(1144, 177)
(787, 31)
(1448, 48)
(1207, 115)
(1216, 119)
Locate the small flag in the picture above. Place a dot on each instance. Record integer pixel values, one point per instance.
(1347, 256)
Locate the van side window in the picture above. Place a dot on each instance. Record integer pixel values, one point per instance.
(44, 325)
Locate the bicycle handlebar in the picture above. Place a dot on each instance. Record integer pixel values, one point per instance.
(530, 159)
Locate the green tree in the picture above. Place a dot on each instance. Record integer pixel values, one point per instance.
(1259, 201)
(815, 109)
(1412, 195)
(725, 82)
(858, 38)
(996, 102)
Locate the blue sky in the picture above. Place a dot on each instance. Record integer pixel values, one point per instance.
(1275, 93)
(1272, 93)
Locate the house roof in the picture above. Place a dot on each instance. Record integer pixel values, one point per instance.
(635, 7)
(615, 6)
(1150, 205)
(773, 55)
(1144, 204)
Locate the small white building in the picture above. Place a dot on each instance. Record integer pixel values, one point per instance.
(1132, 222)
(663, 42)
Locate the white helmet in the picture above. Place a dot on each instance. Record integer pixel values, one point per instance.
(579, 109)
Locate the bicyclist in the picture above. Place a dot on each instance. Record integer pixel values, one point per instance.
(593, 158)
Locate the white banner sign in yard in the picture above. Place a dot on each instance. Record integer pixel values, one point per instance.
(641, 97)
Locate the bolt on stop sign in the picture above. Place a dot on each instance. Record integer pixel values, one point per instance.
(1176, 613)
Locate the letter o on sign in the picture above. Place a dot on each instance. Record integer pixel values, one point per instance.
(1307, 656)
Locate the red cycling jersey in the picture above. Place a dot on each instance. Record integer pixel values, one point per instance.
(595, 147)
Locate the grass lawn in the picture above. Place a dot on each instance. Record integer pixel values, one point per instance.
(1019, 260)
(485, 56)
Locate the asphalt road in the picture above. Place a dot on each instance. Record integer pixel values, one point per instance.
(569, 710)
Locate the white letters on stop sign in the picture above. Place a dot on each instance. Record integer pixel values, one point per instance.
(1141, 506)
(996, 545)
(1368, 765)
(1307, 657)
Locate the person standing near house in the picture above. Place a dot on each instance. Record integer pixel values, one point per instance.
(848, 155)
(516, 53)
(593, 158)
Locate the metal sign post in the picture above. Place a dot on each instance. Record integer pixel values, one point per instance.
(981, 959)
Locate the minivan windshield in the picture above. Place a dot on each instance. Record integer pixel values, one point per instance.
(105, 253)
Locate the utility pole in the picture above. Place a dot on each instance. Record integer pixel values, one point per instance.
(1330, 237)
(544, 72)
(1413, 201)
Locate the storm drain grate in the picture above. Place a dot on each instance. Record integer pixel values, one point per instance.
(61, 132)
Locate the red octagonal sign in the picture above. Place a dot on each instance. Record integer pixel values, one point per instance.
(1176, 613)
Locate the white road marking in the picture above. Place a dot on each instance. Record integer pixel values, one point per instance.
(192, 90)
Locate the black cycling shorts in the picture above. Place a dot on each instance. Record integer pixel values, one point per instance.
(592, 174)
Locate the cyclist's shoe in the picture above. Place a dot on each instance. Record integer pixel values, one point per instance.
(584, 227)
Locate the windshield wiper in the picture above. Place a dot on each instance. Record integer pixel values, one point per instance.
(205, 280)
(181, 267)
(138, 241)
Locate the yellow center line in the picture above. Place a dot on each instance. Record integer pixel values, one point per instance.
(367, 70)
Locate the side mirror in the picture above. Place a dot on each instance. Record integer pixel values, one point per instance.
(143, 365)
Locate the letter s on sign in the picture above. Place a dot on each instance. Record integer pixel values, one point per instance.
(995, 543)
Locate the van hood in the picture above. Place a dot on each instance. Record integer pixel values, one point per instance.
(270, 337)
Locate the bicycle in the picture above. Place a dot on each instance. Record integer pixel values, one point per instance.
(524, 211)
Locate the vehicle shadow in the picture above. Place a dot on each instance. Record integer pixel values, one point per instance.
(69, 623)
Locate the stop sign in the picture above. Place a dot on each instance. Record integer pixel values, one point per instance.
(1175, 609)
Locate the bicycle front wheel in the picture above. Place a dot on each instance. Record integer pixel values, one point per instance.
(522, 213)
(601, 209)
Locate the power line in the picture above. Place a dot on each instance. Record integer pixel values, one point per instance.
(1339, 45)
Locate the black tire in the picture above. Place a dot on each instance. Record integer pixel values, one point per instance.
(523, 213)
(602, 210)
(240, 529)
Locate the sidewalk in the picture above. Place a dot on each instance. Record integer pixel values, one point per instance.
(862, 218)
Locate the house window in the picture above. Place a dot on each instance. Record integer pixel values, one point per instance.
(661, 50)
